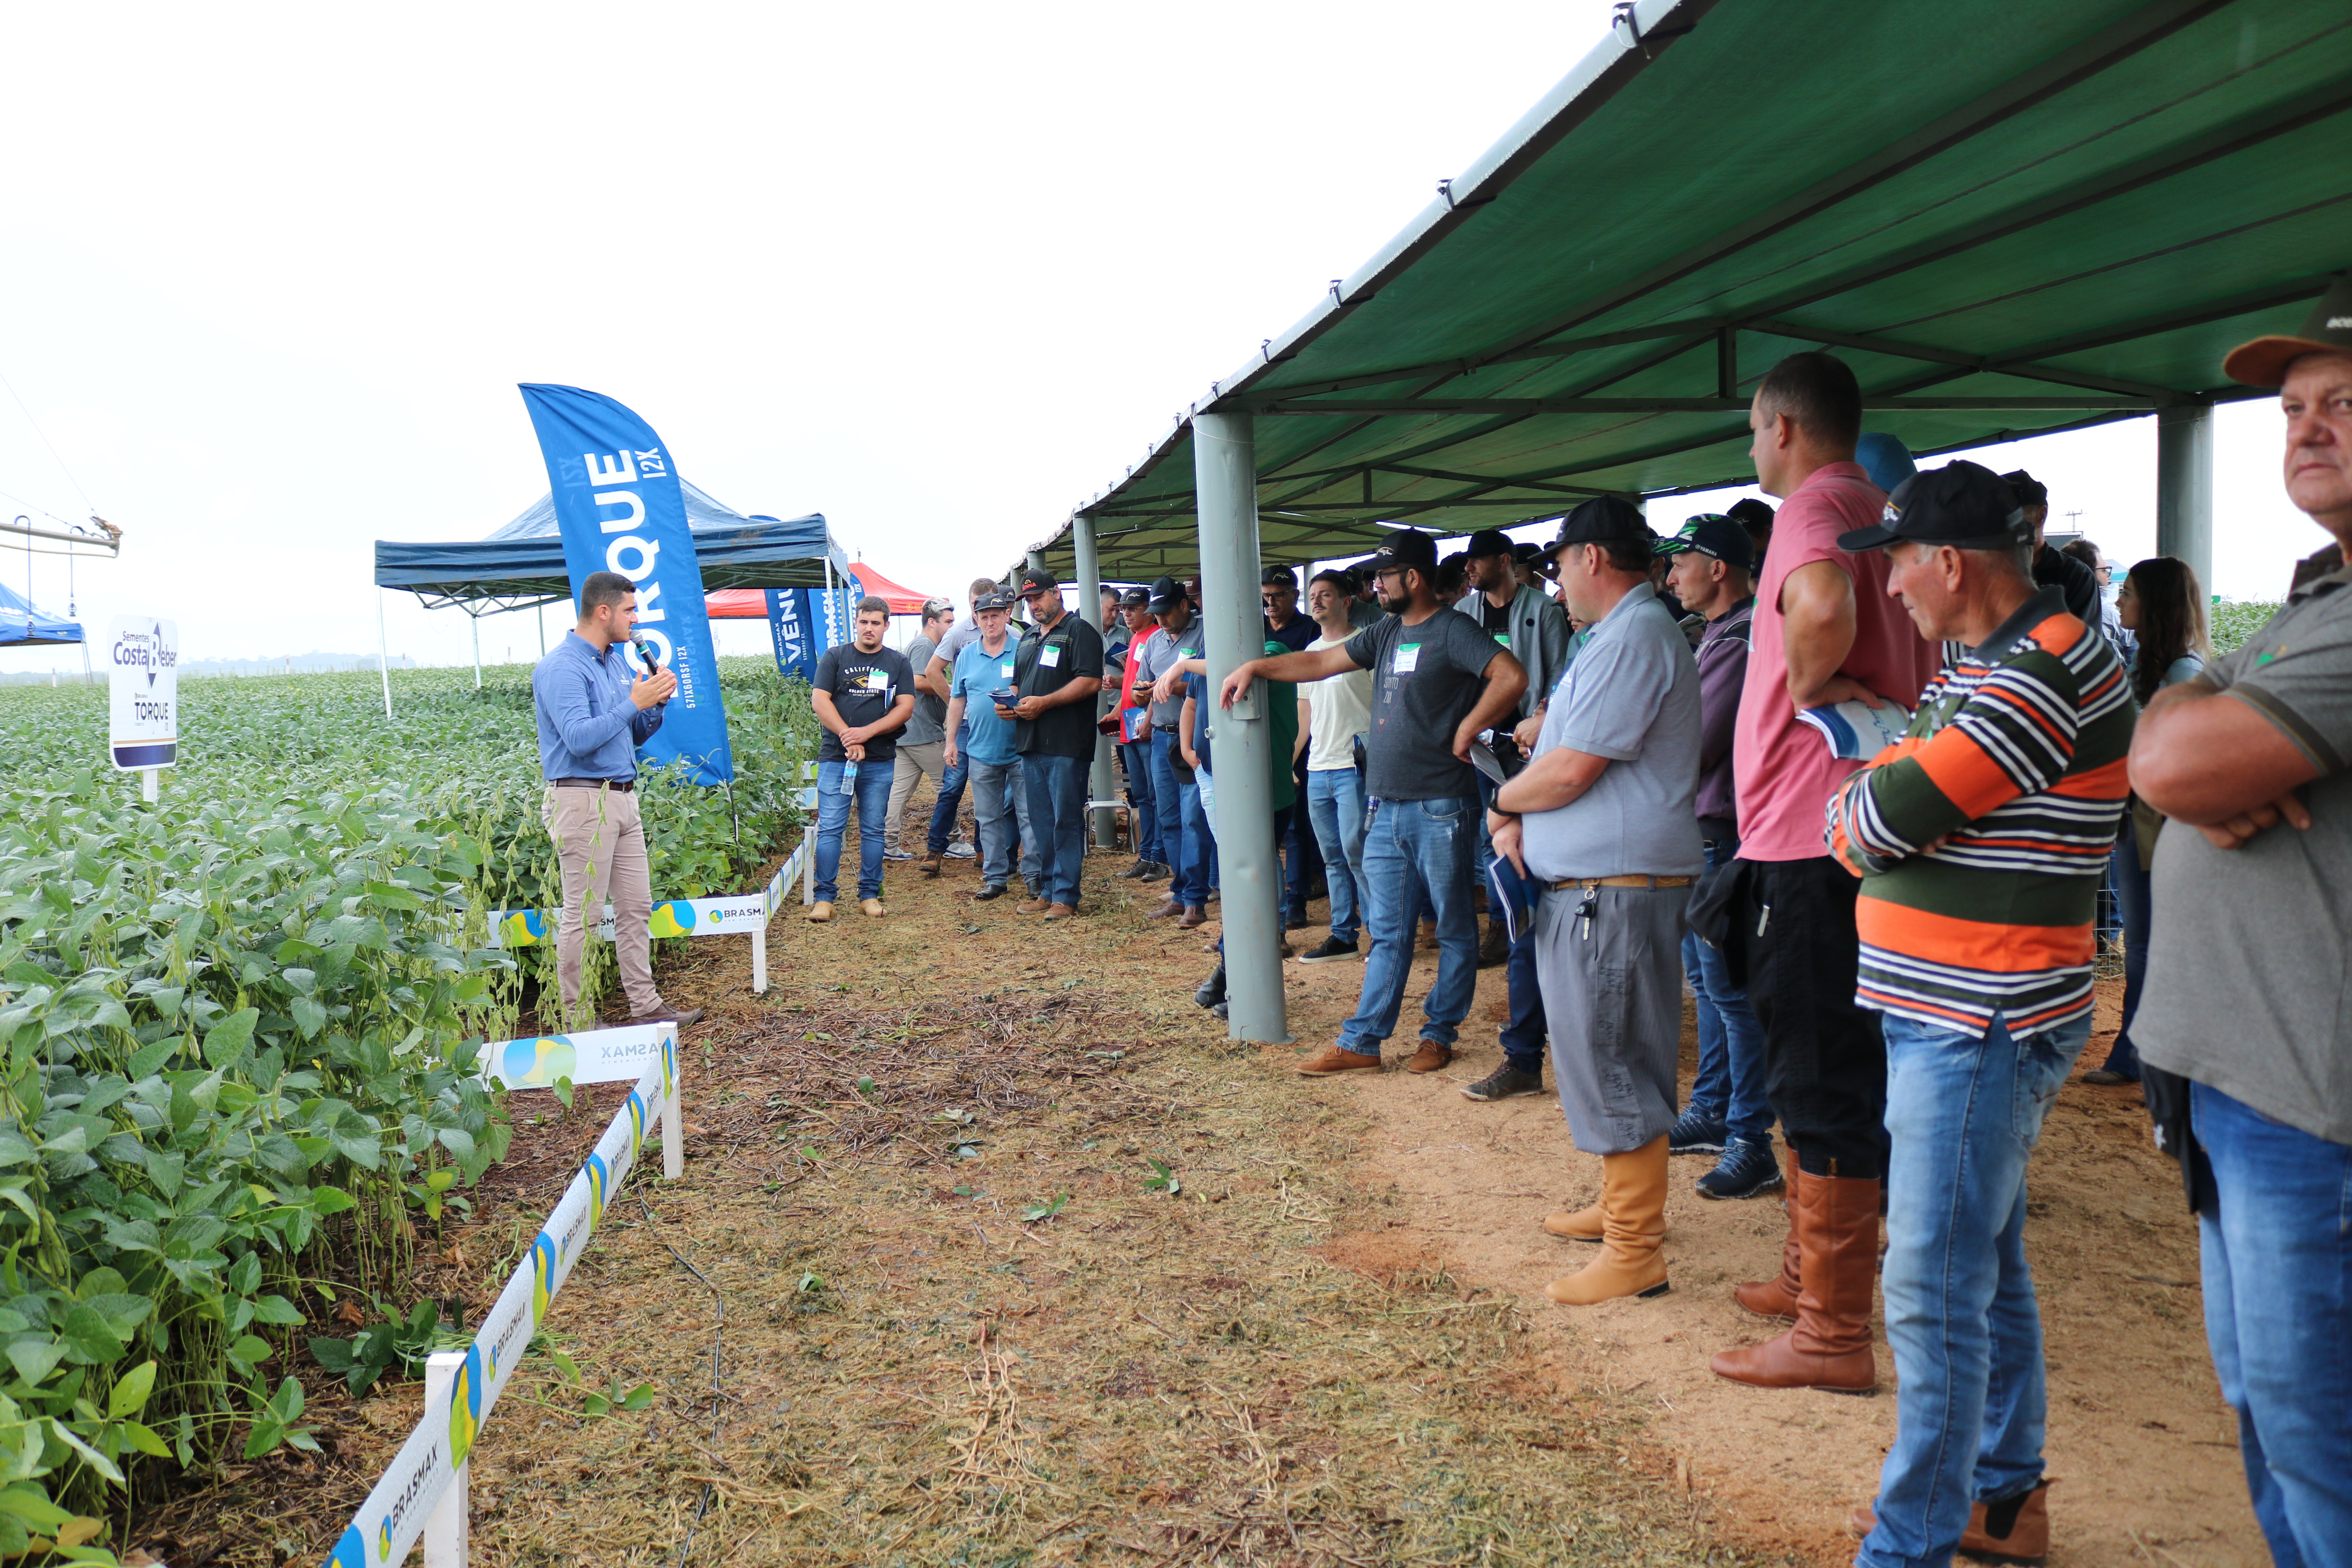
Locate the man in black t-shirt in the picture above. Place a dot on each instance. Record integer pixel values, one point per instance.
(863, 695)
(1437, 681)
(1058, 672)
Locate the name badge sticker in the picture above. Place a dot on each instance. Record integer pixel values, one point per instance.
(1408, 655)
(1008, 670)
(1049, 658)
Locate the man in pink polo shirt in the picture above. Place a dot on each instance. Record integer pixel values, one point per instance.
(1825, 631)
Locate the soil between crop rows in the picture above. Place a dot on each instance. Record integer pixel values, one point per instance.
(1328, 1346)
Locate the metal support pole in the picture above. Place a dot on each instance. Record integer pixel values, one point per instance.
(449, 1527)
(1037, 558)
(382, 661)
(1098, 778)
(541, 608)
(2184, 488)
(477, 649)
(1224, 469)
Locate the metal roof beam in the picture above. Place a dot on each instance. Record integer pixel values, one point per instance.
(1525, 407)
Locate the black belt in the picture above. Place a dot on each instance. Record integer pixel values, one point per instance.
(1165, 728)
(619, 786)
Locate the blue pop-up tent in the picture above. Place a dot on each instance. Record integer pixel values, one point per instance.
(23, 624)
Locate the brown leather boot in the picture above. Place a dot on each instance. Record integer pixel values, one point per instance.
(1778, 1298)
(1586, 1224)
(2014, 1530)
(1630, 1262)
(1829, 1347)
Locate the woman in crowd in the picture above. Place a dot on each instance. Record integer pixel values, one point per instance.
(2163, 605)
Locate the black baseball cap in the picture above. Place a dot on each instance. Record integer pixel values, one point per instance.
(1339, 576)
(1961, 503)
(2328, 330)
(1166, 595)
(1711, 533)
(1037, 577)
(1604, 520)
(1489, 541)
(994, 599)
(2029, 490)
(1750, 512)
(1405, 547)
(1279, 578)
(1134, 599)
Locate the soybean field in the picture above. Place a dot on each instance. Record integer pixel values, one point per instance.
(239, 1028)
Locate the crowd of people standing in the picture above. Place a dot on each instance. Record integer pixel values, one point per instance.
(1637, 754)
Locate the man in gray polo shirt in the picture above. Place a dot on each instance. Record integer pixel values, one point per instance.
(1606, 815)
(1176, 795)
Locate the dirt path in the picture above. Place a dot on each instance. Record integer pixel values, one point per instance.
(1329, 1345)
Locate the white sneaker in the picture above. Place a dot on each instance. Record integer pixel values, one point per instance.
(960, 851)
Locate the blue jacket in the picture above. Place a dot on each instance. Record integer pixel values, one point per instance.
(588, 728)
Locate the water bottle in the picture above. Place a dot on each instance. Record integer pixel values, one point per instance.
(849, 778)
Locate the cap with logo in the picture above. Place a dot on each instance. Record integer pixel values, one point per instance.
(994, 599)
(1166, 595)
(1714, 535)
(1135, 599)
(1037, 577)
(1489, 541)
(1405, 547)
(1961, 503)
(1604, 520)
(2328, 330)
(1279, 578)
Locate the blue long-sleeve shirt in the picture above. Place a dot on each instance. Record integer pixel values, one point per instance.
(588, 728)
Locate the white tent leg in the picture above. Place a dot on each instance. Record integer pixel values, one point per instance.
(477, 649)
(382, 660)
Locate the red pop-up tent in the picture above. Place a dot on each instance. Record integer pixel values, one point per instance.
(751, 603)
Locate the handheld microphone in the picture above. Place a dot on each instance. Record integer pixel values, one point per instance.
(645, 657)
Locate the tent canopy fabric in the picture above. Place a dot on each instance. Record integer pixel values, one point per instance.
(23, 624)
(747, 605)
(904, 601)
(2008, 220)
(522, 564)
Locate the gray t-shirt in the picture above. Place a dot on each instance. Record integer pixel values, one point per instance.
(928, 724)
(1162, 654)
(1631, 696)
(2249, 968)
(1425, 680)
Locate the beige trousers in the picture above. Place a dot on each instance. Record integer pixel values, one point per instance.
(599, 842)
(913, 762)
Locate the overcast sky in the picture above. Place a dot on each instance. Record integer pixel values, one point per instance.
(938, 272)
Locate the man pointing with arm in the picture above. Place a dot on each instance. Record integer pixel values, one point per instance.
(1437, 681)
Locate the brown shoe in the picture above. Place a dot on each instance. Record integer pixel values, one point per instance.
(1194, 915)
(1632, 1260)
(1494, 945)
(1033, 906)
(1059, 912)
(1585, 1224)
(873, 909)
(929, 864)
(681, 1017)
(1777, 1297)
(1334, 1058)
(1170, 908)
(2014, 1530)
(1829, 1347)
(1429, 1058)
(821, 910)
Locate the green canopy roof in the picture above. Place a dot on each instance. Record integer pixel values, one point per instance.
(2009, 219)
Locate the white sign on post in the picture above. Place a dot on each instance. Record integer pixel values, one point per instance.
(143, 692)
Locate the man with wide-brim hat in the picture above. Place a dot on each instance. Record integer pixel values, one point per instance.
(2252, 968)
(1604, 819)
(1979, 839)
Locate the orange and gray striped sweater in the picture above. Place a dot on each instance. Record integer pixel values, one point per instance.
(2015, 763)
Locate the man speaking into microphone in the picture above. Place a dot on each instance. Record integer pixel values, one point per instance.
(593, 711)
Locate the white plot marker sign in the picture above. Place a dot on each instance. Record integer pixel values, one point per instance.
(143, 656)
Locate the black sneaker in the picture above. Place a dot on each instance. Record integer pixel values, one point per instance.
(1747, 1170)
(1212, 991)
(1141, 868)
(1695, 1132)
(1155, 872)
(1504, 1082)
(1219, 1011)
(1330, 950)
(1295, 923)
(985, 894)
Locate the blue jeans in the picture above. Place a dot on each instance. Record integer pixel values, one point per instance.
(1416, 854)
(872, 788)
(2278, 1313)
(1182, 833)
(1301, 856)
(1525, 1042)
(1057, 814)
(1964, 1112)
(950, 796)
(1001, 806)
(2135, 903)
(1335, 809)
(1136, 755)
(1729, 1084)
